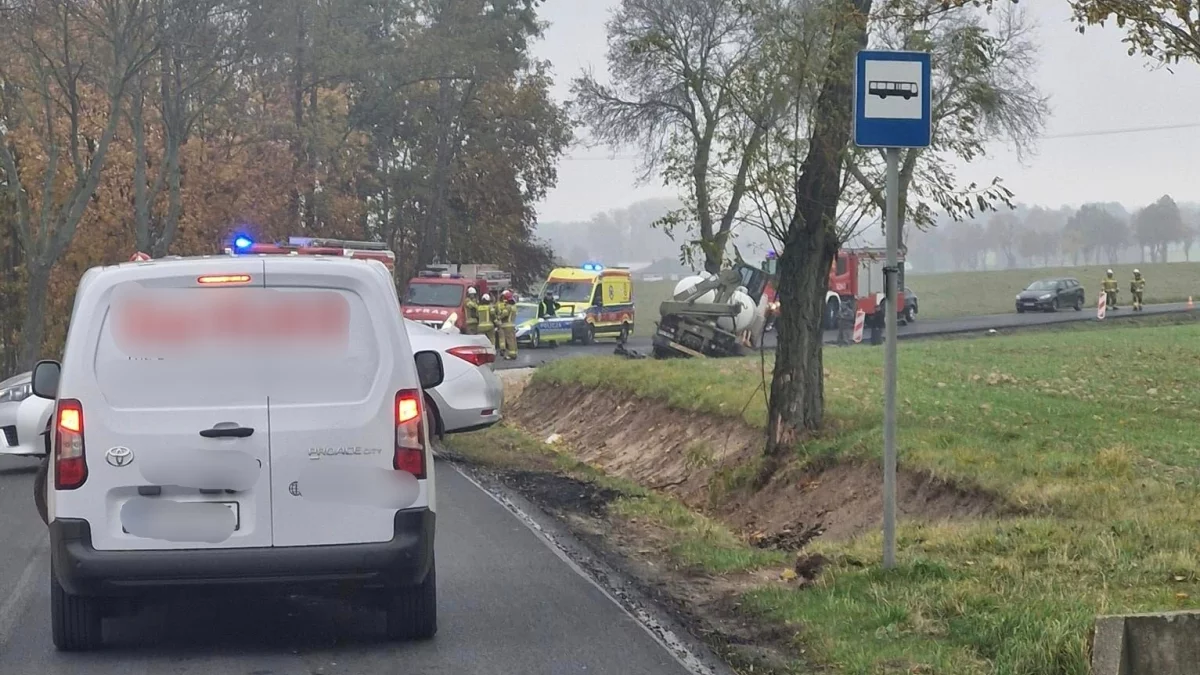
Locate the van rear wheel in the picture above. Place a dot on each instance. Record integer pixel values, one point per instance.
(412, 612)
(75, 620)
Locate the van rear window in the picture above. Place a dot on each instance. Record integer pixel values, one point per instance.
(433, 295)
(202, 347)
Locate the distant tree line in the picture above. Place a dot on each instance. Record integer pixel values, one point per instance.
(1095, 233)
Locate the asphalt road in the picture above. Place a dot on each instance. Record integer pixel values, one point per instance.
(532, 357)
(508, 603)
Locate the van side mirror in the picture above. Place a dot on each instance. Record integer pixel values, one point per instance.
(45, 379)
(429, 369)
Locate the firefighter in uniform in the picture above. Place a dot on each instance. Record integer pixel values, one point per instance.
(471, 322)
(1137, 288)
(845, 323)
(506, 322)
(1110, 290)
(484, 312)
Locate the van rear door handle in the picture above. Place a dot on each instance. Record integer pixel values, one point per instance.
(227, 432)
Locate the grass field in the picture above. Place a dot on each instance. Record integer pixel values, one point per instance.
(955, 294)
(1096, 439)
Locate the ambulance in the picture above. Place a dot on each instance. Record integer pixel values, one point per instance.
(599, 299)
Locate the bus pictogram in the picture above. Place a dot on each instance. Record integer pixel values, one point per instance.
(886, 88)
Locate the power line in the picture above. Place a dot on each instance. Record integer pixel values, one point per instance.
(1073, 134)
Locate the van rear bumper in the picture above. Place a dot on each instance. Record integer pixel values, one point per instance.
(403, 561)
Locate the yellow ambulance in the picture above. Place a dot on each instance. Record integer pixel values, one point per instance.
(600, 300)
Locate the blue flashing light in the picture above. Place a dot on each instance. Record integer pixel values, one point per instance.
(592, 267)
(771, 255)
(242, 243)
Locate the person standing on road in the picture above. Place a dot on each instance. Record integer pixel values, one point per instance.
(507, 320)
(845, 323)
(1110, 290)
(484, 312)
(471, 322)
(1137, 288)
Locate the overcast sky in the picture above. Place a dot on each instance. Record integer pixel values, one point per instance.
(1094, 86)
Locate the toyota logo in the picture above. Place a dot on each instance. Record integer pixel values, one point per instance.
(119, 456)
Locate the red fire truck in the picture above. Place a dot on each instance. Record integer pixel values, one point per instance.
(437, 296)
(856, 276)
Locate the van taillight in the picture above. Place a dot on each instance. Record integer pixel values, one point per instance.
(410, 433)
(70, 465)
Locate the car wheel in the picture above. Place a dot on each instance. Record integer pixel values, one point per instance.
(625, 331)
(1078, 303)
(1020, 310)
(75, 621)
(535, 338)
(832, 307)
(910, 315)
(412, 612)
(589, 334)
(1054, 305)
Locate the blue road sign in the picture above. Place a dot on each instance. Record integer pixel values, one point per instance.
(891, 99)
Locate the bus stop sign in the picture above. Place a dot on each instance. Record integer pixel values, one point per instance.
(891, 99)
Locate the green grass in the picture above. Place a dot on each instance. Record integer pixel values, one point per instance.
(955, 294)
(1095, 434)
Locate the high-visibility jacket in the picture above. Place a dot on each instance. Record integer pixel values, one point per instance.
(506, 315)
(1110, 285)
(484, 312)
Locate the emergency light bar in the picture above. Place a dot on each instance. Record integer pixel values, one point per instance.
(337, 243)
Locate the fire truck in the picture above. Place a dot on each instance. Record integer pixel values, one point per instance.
(856, 276)
(437, 296)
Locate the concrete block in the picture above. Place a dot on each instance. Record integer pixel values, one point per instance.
(1147, 644)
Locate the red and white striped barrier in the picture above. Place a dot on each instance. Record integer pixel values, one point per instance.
(859, 320)
(1102, 306)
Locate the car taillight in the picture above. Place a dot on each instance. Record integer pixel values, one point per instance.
(70, 465)
(410, 433)
(474, 354)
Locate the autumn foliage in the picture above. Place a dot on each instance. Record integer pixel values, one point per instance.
(202, 117)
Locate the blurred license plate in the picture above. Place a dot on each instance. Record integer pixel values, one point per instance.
(232, 506)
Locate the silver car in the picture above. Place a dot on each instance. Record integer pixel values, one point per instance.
(23, 417)
(470, 396)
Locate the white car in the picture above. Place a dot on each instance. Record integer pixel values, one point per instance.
(471, 396)
(23, 418)
(248, 424)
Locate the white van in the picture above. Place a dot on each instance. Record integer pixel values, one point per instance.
(239, 423)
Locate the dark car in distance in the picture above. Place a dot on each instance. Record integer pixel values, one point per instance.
(1051, 295)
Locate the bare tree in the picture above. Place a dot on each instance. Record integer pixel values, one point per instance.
(690, 92)
(63, 74)
(797, 401)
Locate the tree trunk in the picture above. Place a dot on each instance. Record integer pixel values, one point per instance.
(33, 328)
(797, 402)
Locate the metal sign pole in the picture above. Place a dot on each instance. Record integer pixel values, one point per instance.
(891, 220)
(892, 111)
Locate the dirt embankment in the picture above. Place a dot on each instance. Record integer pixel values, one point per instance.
(699, 460)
